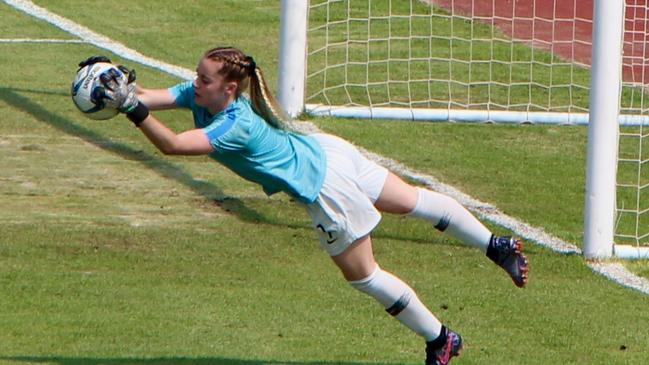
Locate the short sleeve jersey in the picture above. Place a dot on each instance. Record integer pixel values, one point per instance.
(276, 159)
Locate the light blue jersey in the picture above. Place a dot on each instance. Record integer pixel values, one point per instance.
(277, 160)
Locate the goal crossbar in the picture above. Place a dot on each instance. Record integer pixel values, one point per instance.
(463, 115)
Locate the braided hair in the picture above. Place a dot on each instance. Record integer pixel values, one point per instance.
(243, 70)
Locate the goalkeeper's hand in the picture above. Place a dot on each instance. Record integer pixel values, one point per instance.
(120, 93)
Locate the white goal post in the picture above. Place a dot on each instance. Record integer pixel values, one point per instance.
(536, 61)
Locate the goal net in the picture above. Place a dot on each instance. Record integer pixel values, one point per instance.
(476, 60)
(459, 59)
(632, 225)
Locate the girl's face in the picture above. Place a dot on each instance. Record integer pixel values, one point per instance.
(211, 90)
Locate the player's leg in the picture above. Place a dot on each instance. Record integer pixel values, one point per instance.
(344, 215)
(445, 213)
(449, 216)
(359, 268)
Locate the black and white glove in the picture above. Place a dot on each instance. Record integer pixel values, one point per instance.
(119, 91)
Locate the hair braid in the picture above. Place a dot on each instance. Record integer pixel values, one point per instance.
(263, 101)
(242, 69)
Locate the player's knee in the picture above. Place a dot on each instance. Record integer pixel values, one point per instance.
(365, 284)
(437, 208)
(387, 289)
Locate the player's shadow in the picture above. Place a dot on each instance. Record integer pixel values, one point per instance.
(163, 167)
(172, 361)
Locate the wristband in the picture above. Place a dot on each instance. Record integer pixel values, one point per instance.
(138, 115)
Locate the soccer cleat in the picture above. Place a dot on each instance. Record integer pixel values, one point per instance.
(506, 252)
(443, 355)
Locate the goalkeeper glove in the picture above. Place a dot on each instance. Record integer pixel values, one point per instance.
(120, 94)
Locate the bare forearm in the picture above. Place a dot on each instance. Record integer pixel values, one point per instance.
(155, 99)
(160, 135)
(191, 142)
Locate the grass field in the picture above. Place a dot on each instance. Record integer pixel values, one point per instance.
(111, 253)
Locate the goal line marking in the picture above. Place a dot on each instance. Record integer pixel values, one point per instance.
(40, 40)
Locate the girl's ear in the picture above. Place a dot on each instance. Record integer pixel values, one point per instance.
(231, 87)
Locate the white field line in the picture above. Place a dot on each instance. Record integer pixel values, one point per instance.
(97, 39)
(39, 40)
(615, 272)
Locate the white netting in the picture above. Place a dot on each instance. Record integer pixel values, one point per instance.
(633, 160)
(520, 55)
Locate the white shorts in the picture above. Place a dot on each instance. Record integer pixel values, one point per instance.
(344, 210)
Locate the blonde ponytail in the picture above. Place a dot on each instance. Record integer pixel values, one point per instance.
(263, 102)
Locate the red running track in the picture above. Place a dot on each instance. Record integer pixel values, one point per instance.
(563, 27)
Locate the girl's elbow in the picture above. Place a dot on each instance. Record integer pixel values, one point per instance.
(168, 149)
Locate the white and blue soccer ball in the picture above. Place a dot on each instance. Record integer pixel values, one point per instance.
(88, 91)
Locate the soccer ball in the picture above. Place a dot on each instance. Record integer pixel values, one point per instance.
(88, 91)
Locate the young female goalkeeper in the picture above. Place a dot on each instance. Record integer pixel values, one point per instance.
(342, 191)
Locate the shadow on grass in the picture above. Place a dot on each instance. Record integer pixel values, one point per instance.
(162, 167)
(171, 361)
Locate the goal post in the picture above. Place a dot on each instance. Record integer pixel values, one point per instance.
(292, 56)
(599, 213)
(539, 61)
(602, 184)
(616, 208)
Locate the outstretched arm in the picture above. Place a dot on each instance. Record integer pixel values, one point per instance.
(191, 142)
(135, 102)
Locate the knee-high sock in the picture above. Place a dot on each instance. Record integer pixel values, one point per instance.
(447, 215)
(401, 302)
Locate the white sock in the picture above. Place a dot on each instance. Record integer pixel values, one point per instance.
(450, 216)
(401, 302)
